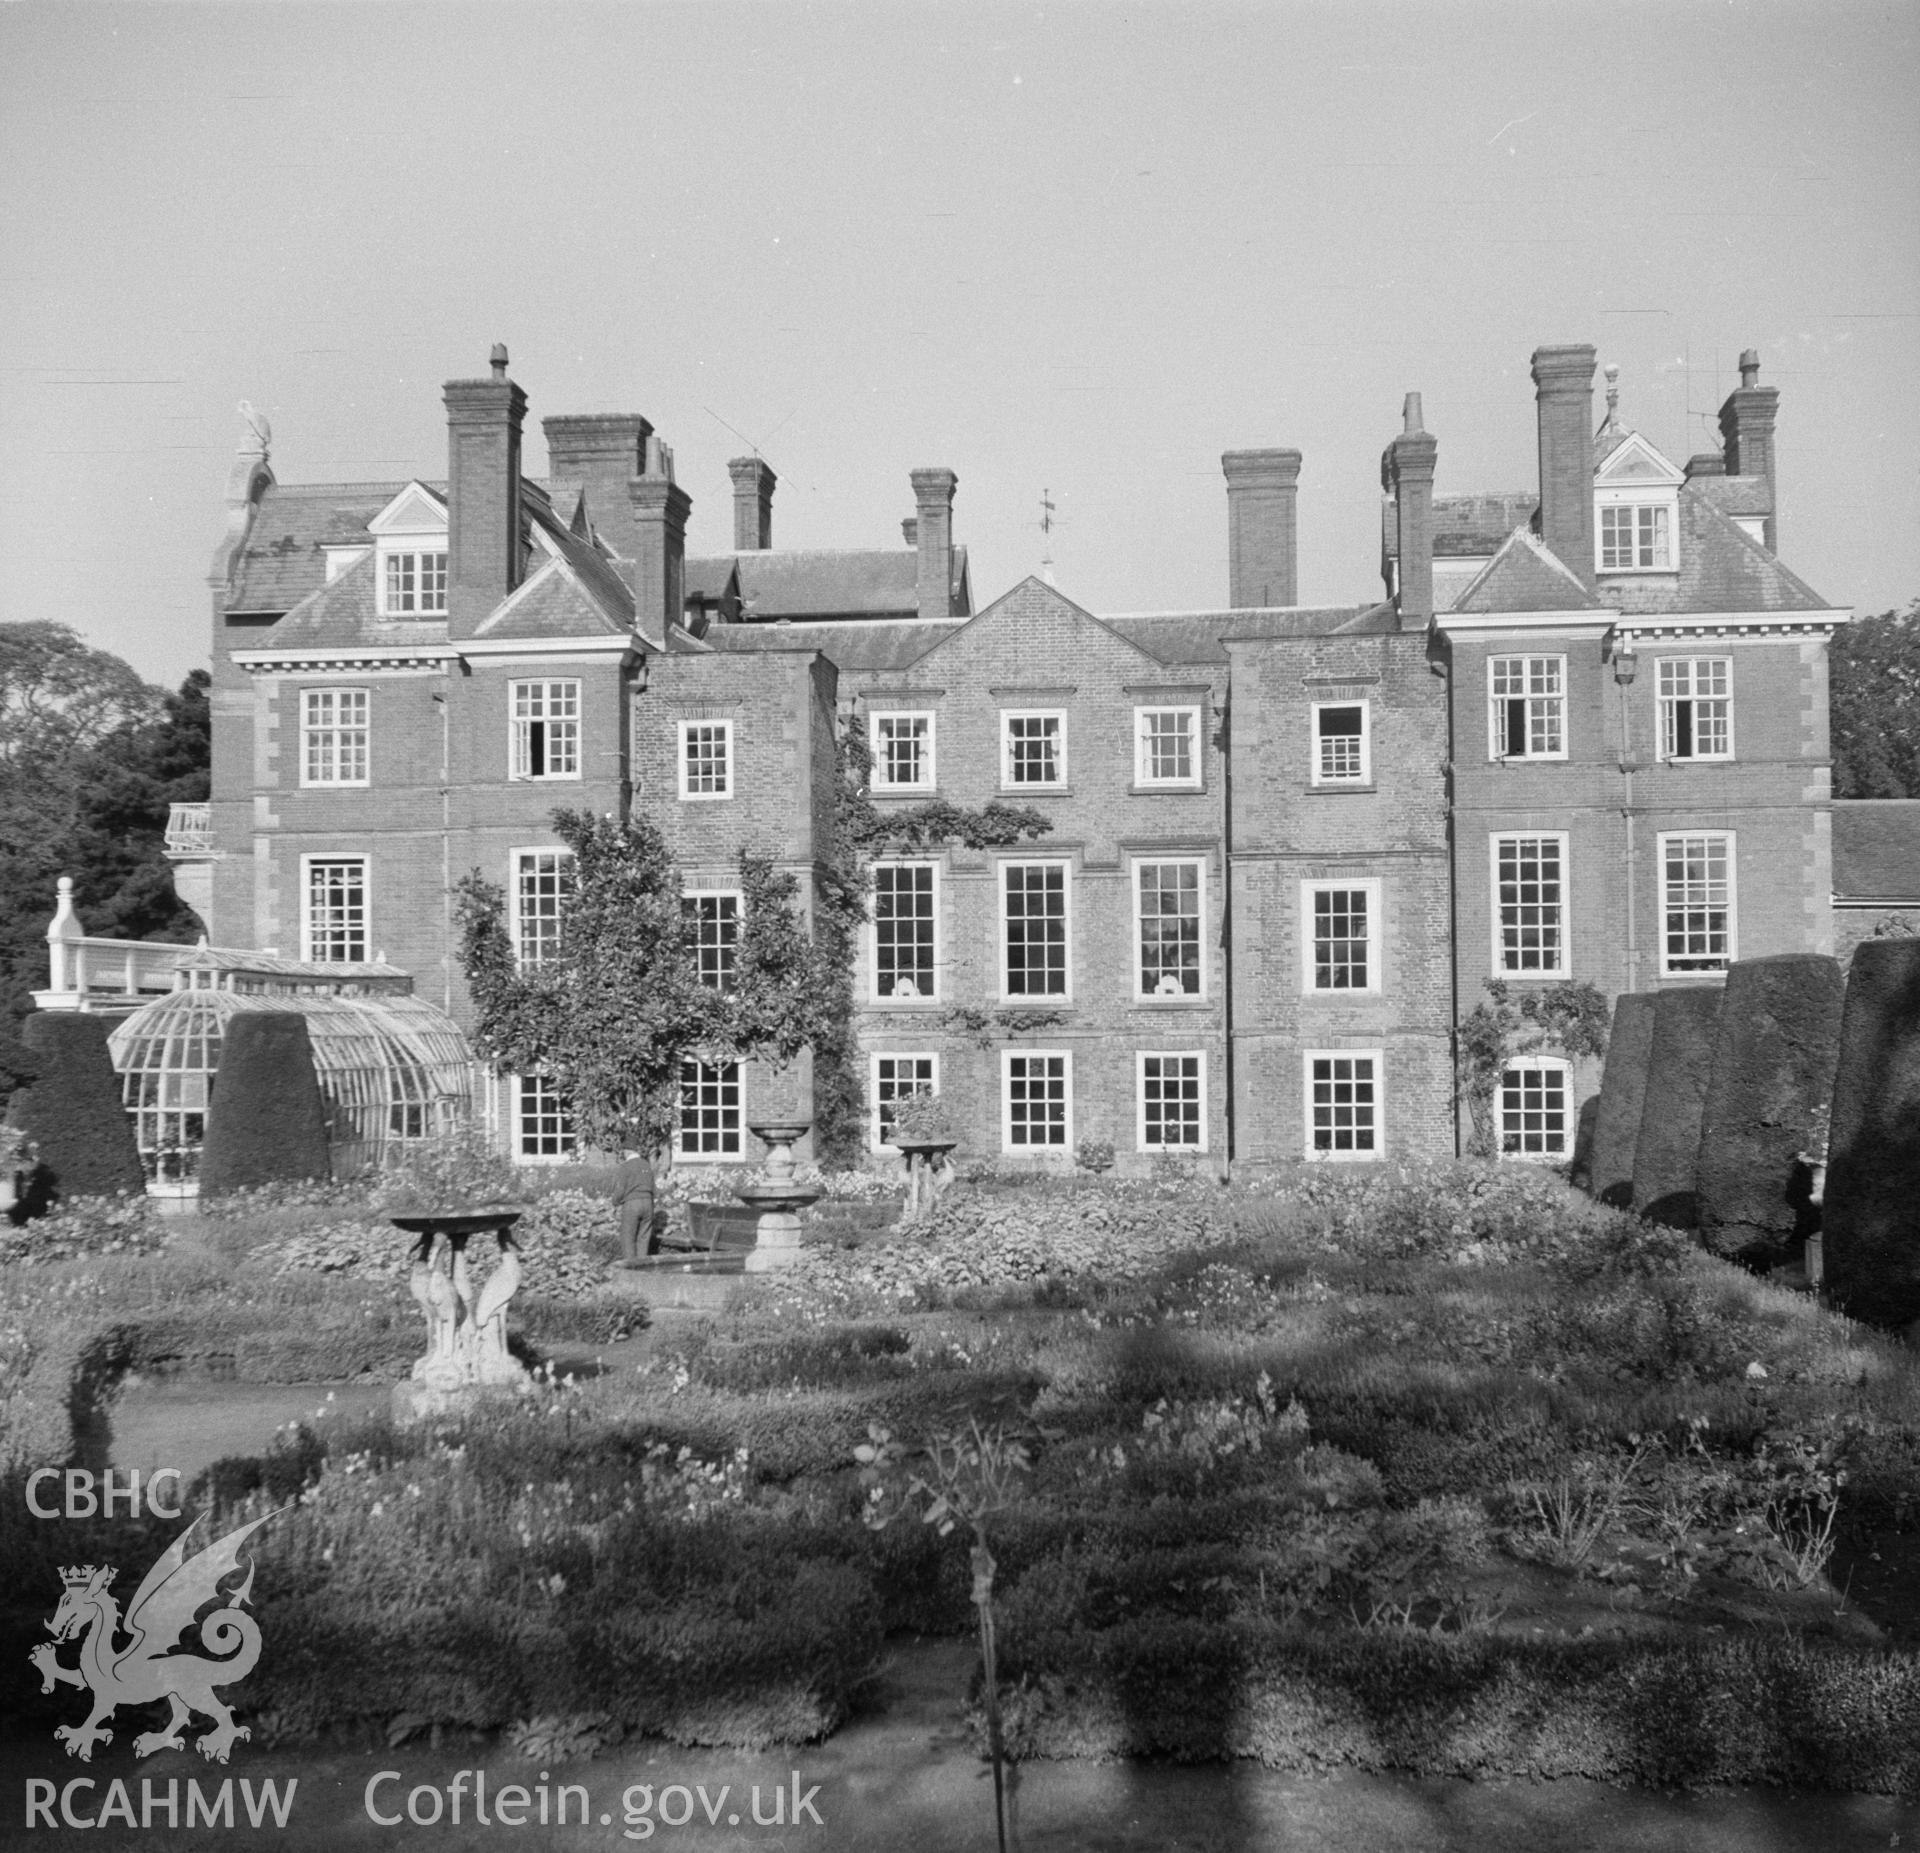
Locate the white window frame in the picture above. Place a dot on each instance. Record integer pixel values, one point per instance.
(1143, 775)
(929, 770)
(1569, 1117)
(1564, 925)
(1665, 670)
(341, 732)
(516, 894)
(932, 993)
(1007, 1058)
(1140, 1061)
(1730, 838)
(1371, 887)
(520, 729)
(1007, 717)
(1378, 1057)
(738, 898)
(682, 732)
(567, 1139)
(681, 1155)
(876, 1128)
(388, 557)
(1317, 772)
(1496, 704)
(308, 938)
(1666, 512)
(1019, 998)
(1138, 865)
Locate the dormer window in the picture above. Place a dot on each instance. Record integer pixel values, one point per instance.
(410, 547)
(1637, 509)
(413, 585)
(1636, 539)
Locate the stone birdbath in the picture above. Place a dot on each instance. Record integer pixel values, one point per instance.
(779, 1199)
(928, 1170)
(466, 1331)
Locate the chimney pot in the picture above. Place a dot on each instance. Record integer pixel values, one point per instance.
(1749, 367)
(1263, 488)
(1563, 391)
(1406, 471)
(1410, 414)
(498, 358)
(597, 454)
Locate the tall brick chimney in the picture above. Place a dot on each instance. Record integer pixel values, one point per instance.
(753, 482)
(598, 454)
(1746, 432)
(1262, 527)
(933, 535)
(483, 484)
(660, 510)
(1406, 473)
(1563, 391)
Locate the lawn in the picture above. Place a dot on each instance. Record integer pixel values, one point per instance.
(1443, 1470)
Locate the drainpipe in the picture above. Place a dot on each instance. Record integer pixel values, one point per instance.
(446, 856)
(1625, 662)
(1227, 1043)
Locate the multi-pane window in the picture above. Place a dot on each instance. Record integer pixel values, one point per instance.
(1533, 1107)
(1343, 1104)
(543, 1119)
(893, 1077)
(1166, 746)
(1529, 905)
(1167, 910)
(1037, 1097)
(1529, 712)
(902, 752)
(1173, 1092)
(713, 935)
(335, 924)
(546, 729)
(542, 881)
(1033, 749)
(904, 904)
(414, 585)
(1696, 707)
(1035, 901)
(709, 1110)
(1342, 925)
(1341, 750)
(1635, 539)
(706, 759)
(1696, 901)
(333, 736)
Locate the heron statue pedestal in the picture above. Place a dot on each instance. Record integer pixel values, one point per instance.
(466, 1353)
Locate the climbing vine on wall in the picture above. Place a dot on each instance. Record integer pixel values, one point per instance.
(1569, 1017)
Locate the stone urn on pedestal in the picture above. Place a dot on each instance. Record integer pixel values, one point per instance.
(779, 1198)
(466, 1351)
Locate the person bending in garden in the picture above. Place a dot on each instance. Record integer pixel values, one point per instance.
(633, 1197)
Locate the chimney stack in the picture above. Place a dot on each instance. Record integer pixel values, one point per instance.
(1746, 432)
(753, 482)
(1406, 473)
(1563, 391)
(483, 493)
(1262, 527)
(597, 454)
(933, 536)
(660, 510)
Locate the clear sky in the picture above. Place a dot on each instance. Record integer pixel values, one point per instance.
(1074, 248)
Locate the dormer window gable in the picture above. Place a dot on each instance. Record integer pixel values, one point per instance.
(1636, 525)
(410, 548)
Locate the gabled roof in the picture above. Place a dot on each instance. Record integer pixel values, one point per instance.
(284, 558)
(1735, 495)
(870, 644)
(554, 602)
(711, 576)
(1722, 568)
(802, 583)
(599, 580)
(1525, 575)
(342, 616)
(1628, 459)
(1876, 850)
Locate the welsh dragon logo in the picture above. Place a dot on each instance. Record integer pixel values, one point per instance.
(172, 1593)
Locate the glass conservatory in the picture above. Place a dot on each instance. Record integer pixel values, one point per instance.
(392, 1069)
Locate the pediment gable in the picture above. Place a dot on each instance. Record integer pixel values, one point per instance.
(1034, 633)
(1634, 463)
(415, 510)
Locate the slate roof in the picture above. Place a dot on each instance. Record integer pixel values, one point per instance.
(870, 644)
(1876, 850)
(554, 601)
(1735, 495)
(1525, 575)
(1721, 569)
(283, 560)
(1466, 526)
(341, 616)
(708, 576)
(817, 583)
(1200, 636)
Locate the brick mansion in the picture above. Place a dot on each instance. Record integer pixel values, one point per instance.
(1581, 735)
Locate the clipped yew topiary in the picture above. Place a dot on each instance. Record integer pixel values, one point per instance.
(1871, 1213)
(1773, 1063)
(266, 1122)
(1679, 1063)
(1623, 1086)
(72, 1109)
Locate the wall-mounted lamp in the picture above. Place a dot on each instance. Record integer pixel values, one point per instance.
(1625, 661)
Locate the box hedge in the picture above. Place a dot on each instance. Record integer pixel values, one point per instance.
(1872, 1207)
(1773, 1062)
(1623, 1087)
(1679, 1063)
(266, 1122)
(73, 1111)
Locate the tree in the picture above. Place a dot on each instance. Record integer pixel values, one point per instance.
(1570, 1016)
(1873, 665)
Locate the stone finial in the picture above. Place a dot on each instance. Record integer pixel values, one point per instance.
(498, 360)
(259, 432)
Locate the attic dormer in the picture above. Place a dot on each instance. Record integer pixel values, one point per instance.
(410, 548)
(1636, 498)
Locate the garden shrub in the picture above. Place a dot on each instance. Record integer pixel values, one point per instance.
(266, 1121)
(1773, 1061)
(1871, 1212)
(1679, 1061)
(72, 1111)
(1623, 1088)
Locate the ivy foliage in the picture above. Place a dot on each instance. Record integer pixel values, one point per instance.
(1569, 1018)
